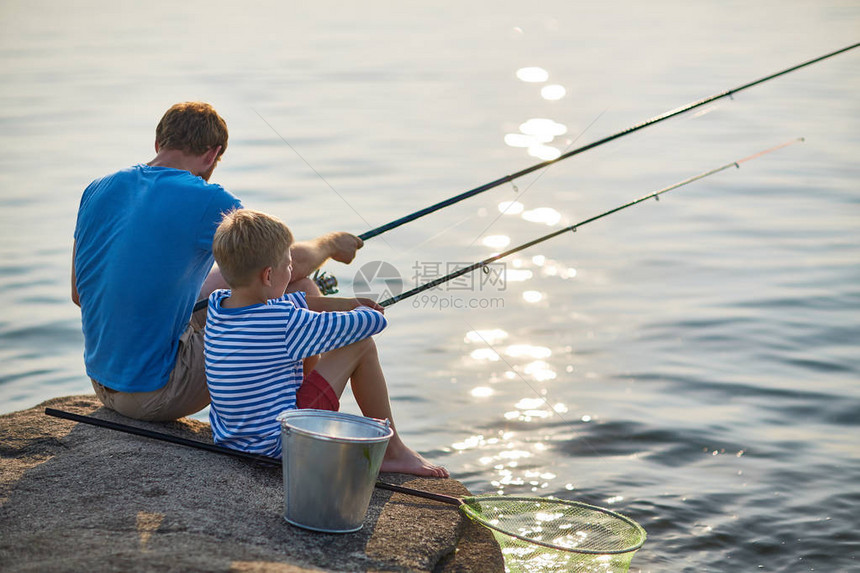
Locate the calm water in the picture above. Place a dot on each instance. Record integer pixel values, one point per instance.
(692, 363)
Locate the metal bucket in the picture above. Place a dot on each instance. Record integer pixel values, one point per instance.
(331, 461)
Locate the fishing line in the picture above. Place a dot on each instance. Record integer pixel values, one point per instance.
(483, 265)
(330, 186)
(439, 233)
(669, 114)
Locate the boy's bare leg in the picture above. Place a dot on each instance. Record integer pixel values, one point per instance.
(359, 363)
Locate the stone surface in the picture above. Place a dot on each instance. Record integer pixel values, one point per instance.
(74, 497)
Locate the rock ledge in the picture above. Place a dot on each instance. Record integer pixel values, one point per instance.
(74, 497)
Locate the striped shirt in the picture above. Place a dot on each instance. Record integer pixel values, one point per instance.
(254, 362)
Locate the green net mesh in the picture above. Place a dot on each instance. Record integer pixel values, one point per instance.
(539, 534)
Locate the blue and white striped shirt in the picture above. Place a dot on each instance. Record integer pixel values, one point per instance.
(254, 362)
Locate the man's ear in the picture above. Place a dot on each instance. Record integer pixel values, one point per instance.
(211, 156)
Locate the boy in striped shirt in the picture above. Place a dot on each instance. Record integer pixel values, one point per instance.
(257, 337)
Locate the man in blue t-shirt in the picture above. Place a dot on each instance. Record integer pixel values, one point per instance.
(143, 255)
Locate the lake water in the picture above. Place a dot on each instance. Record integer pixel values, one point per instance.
(691, 363)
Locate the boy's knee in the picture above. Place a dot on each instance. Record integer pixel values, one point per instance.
(365, 347)
(305, 285)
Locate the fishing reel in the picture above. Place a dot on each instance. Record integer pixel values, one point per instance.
(326, 283)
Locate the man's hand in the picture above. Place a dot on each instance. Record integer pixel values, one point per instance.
(310, 255)
(343, 246)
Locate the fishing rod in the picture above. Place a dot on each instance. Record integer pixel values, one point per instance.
(572, 228)
(669, 114)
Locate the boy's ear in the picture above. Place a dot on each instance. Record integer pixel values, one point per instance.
(266, 276)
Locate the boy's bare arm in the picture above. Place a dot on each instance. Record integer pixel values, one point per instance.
(337, 304)
(310, 255)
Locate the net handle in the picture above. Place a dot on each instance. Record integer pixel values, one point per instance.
(449, 499)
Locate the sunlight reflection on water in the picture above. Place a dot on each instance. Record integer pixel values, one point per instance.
(544, 152)
(520, 350)
(553, 92)
(493, 336)
(545, 215)
(482, 392)
(485, 354)
(543, 127)
(533, 296)
(526, 140)
(496, 241)
(511, 207)
(533, 74)
(537, 133)
(517, 275)
(540, 371)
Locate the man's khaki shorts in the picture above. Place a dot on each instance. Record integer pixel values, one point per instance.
(185, 392)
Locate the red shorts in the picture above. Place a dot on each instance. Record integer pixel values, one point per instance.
(315, 392)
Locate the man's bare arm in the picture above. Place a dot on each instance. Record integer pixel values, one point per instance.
(310, 255)
(338, 304)
(75, 298)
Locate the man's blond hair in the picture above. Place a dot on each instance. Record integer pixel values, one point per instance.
(248, 241)
(193, 127)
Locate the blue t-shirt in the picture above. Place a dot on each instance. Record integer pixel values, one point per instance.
(143, 249)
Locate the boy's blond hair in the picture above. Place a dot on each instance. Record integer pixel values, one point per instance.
(248, 241)
(193, 127)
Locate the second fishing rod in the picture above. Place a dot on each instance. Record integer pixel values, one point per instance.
(573, 228)
(569, 229)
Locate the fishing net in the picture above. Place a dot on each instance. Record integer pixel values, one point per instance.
(540, 534)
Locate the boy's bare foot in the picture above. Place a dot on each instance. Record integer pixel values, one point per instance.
(401, 459)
